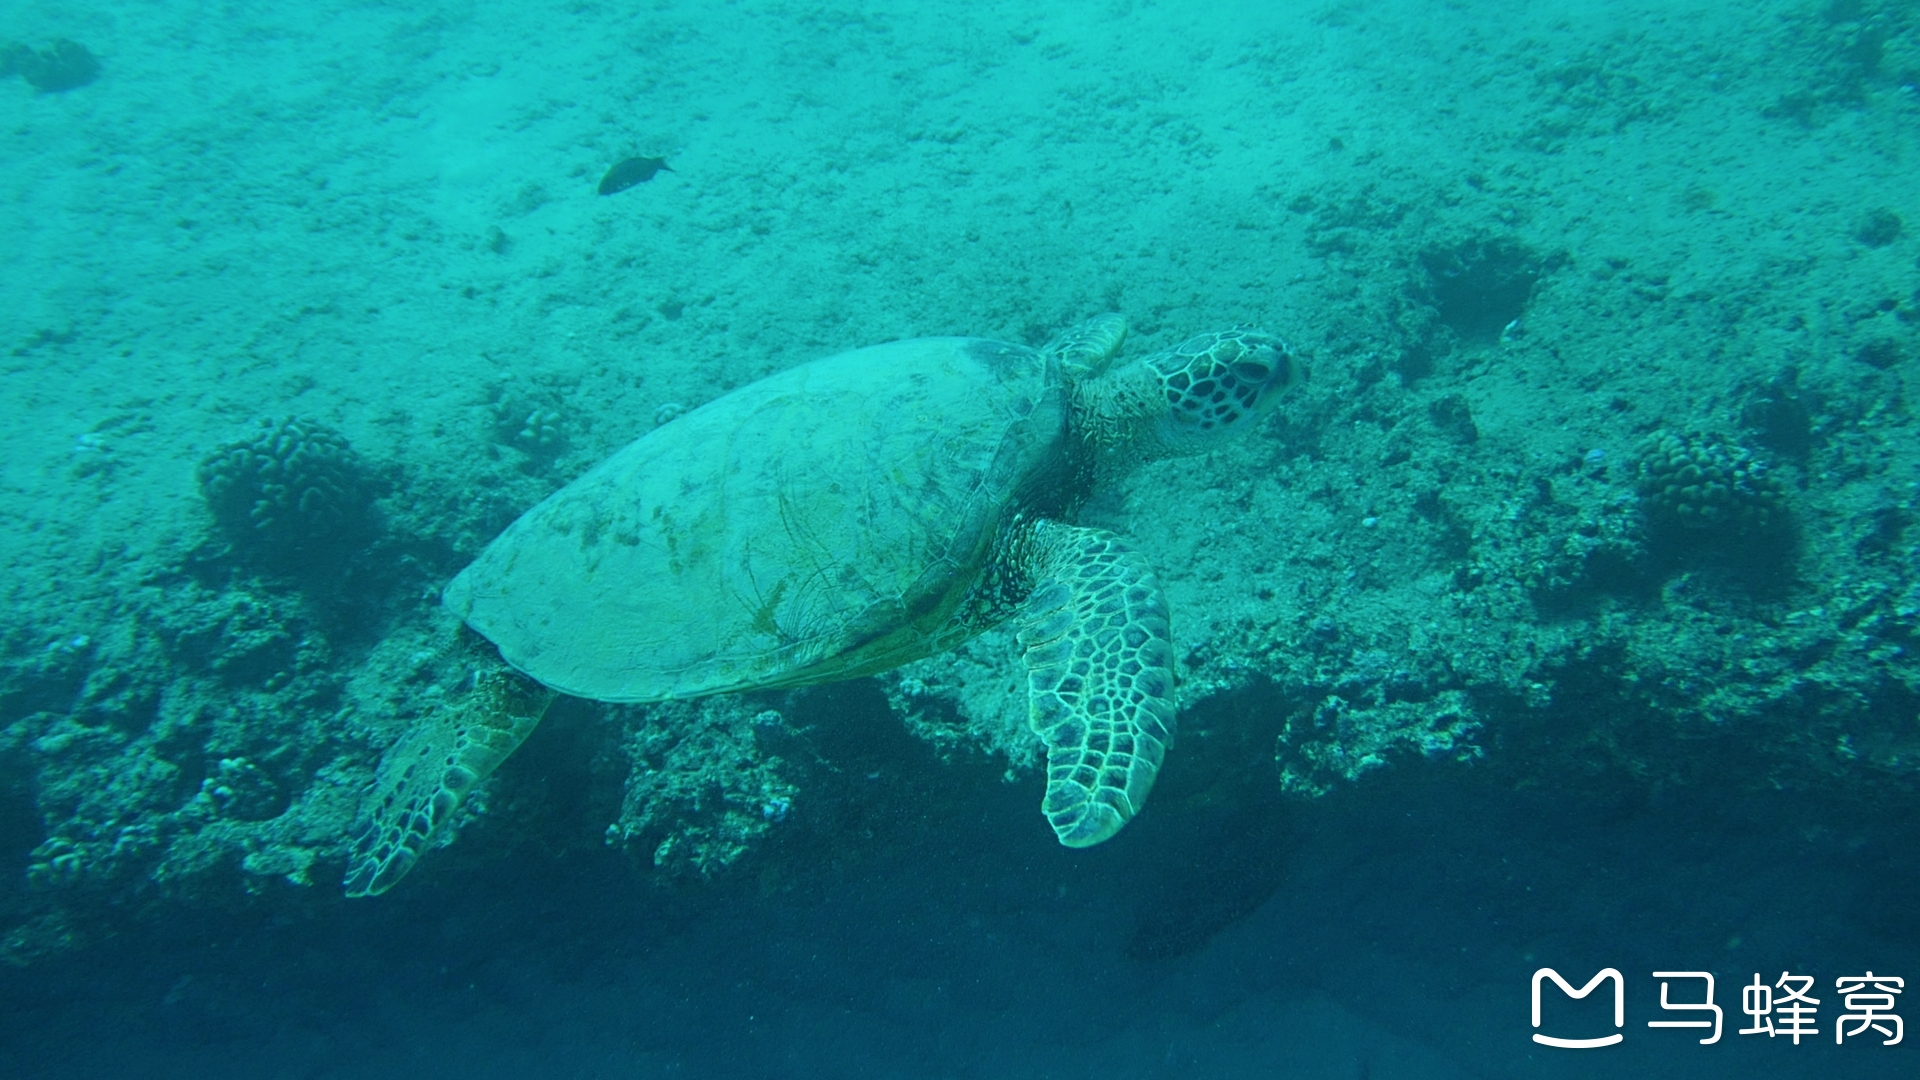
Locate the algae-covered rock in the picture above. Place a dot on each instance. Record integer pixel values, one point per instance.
(63, 65)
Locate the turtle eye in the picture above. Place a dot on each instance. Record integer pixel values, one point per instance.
(1252, 371)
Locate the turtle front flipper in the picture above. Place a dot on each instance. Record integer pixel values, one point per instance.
(427, 775)
(1086, 349)
(1099, 678)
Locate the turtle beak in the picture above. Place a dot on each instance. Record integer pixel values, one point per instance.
(1268, 365)
(1298, 372)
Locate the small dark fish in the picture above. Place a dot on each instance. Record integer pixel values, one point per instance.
(634, 170)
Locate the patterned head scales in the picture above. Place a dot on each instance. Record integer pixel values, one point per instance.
(1217, 382)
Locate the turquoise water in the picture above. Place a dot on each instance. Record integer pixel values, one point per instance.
(1566, 618)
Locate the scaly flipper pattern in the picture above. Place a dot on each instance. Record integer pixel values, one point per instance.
(1099, 662)
(1086, 349)
(427, 775)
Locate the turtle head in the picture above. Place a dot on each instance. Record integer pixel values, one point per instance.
(1216, 385)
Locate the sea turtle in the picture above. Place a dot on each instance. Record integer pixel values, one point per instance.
(839, 519)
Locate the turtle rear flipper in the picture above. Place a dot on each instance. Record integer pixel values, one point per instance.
(1099, 678)
(427, 775)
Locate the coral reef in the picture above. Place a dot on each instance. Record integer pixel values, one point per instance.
(539, 432)
(537, 429)
(1696, 484)
(702, 786)
(294, 492)
(242, 790)
(183, 738)
(1878, 227)
(531, 418)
